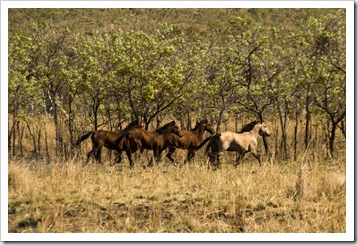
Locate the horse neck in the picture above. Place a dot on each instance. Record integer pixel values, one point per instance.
(255, 131)
(199, 131)
(166, 133)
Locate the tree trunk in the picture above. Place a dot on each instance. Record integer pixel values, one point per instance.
(46, 146)
(21, 136)
(343, 128)
(267, 150)
(182, 124)
(16, 125)
(146, 123)
(218, 126)
(308, 119)
(95, 117)
(33, 139)
(295, 138)
(10, 138)
(70, 124)
(57, 128)
(159, 121)
(189, 121)
(332, 137)
(39, 139)
(283, 123)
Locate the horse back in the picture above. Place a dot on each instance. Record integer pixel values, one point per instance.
(188, 140)
(230, 141)
(107, 138)
(139, 138)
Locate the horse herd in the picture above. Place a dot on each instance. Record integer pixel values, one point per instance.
(135, 137)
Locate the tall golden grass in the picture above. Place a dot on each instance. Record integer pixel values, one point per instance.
(65, 197)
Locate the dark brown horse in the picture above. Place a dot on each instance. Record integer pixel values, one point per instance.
(139, 138)
(190, 140)
(107, 139)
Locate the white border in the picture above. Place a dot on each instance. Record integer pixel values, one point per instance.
(348, 236)
(176, 4)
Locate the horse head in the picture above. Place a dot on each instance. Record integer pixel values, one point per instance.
(172, 128)
(209, 127)
(176, 130)
(263, 129)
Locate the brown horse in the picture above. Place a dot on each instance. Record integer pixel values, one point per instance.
(139, 138)
(243, 142)
(107, 139)
(190, 140)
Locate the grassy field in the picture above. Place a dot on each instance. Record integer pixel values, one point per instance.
(276, 197)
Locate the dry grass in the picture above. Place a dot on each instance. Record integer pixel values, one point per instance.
(277, 197)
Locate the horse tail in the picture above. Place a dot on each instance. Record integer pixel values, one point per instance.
(212, 140)
(83, 137)
(203, 143)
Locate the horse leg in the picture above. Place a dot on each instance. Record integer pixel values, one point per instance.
(93, 152)
(218, 161)
(129, 155)
(239, 157)
(169, 155)
(99, 156)
(156, 156)
(191, 154)
(150, 163)
(213, 156)
(119, 157)
(257, 156)
(151, 160)
(238, 160)
(89, 154)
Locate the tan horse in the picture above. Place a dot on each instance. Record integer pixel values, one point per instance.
(139, 138)
(190, 140)
(243, 142)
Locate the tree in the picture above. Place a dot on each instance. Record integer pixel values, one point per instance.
(149, 73)
(328, 69)
(97, 75)
(221, 79)
(24, 91)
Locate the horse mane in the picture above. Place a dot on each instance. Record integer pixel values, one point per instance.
(162, 128)
(248, 127)
(198, 124)
(130, 125)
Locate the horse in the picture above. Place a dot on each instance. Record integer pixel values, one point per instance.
(242, 142)
(139, 138)
(190, 140)
(107, 139)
